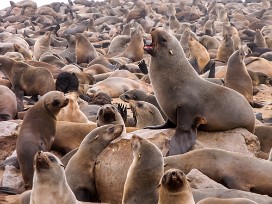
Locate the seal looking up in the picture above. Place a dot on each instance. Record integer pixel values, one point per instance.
(193, 101)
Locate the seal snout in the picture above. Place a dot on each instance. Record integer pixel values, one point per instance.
(41, 161)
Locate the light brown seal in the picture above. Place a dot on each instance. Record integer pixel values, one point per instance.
(85, 51)
(49, 181)
(226, 201)
(199, 52)
(144, 173)
(80, 169)
(187, 108)
(225, 49)
(31, 80)
(42, 45)
(38, 131)
(8, 104)
(71, 112)
(26, 53)
(224, 172)
(174, 188)
(134, 50)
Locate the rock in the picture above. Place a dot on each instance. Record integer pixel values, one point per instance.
(199, 180)
(12, 178)
(7, 128)
(114, 161)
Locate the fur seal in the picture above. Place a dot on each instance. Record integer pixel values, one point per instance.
(49, 181)
(8, 104)
(18, 48)
(134, 50)
(224, 172)
(42, 45)
(145, 114)
(38, 131)
(185, 109)
(31, 80)
(237, 77)
(226, 201)
(115, 86)
(71, 112)
(147, 162)
(198, 52)
(85, 51)
(80, 169)
(174, 188)
(259, 39)
(140, 95)
(108, 114)
(225, 49)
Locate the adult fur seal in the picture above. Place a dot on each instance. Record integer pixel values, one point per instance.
(79, 170)
(191, 103)
(49, 181)
(174, 188)
(226, 201)
(144, 173)
(31, 80)
(224, 172)
(38, 131)
(42, 45)
(8, 104)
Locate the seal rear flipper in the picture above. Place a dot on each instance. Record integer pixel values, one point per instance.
(166, 125)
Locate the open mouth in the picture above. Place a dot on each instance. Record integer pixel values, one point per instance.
(149, 46)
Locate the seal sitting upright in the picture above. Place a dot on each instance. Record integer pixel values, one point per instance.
(189, 101)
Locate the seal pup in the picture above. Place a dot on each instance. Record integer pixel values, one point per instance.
(145, 114)
(38, 131)
(85, 51)
(147, 162)
(189, 104)
(49, 181)
(80, 168)
(33, 81)
(8, 104)
(175, 188)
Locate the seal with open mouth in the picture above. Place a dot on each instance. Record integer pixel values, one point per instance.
(189, 101)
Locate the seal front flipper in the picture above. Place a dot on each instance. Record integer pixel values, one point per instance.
(185, 134)
(166, 125)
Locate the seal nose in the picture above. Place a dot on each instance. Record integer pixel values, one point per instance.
(39, 153)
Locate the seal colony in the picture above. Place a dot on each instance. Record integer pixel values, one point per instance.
(76, 78)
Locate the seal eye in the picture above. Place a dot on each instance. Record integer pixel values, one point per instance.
(52, 159)
(134, 97)
(163, 39)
